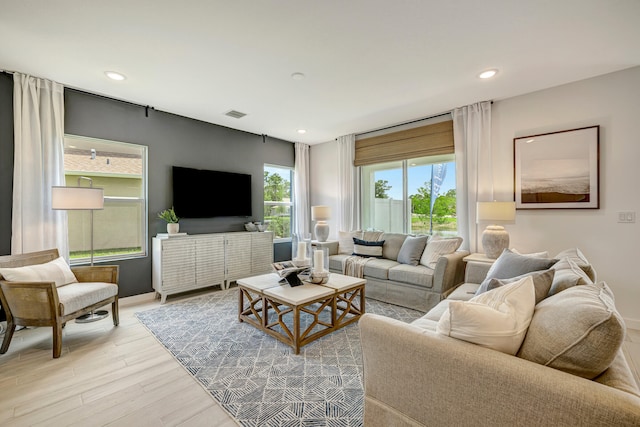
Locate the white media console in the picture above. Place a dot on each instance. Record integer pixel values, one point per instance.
(185, 263)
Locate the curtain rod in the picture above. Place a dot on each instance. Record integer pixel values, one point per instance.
(405, 123)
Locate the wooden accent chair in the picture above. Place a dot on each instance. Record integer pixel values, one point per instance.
(42, 303)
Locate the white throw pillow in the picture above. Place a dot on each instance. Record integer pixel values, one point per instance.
(53, 271)
(543, 254)
(345, 241)
(497, 319)
(438, 247)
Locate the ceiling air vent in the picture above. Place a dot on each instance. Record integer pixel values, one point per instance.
(235, 114)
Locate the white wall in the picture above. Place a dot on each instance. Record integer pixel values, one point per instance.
(323, 177)
(611, 101)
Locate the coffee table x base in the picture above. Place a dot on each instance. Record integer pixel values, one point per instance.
(266, 305)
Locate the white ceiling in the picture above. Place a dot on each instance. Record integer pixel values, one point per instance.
(368, 63)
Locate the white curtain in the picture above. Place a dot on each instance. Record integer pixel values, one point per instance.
(38, 109)
(301, 189)
(474, 180)
(348, 185)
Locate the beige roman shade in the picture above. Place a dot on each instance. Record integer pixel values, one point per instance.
(429, 140)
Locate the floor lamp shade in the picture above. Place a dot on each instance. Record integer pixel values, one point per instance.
(77, 198)
(495, 238)
(81, 198)
(321, 214)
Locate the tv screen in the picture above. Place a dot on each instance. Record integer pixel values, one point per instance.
(199, 193)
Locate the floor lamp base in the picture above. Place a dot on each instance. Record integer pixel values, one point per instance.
(92, 317)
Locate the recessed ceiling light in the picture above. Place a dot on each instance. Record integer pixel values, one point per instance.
(488, 74)
(302, 131)
(297, 76)
(113, 75)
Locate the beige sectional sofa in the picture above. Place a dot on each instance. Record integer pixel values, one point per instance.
(568, 371)
(419, 279)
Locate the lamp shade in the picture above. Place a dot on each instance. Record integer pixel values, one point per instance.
(496, 212)
(76, 198)
(320, 213)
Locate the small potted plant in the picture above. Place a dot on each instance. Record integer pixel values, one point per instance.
(172, 219)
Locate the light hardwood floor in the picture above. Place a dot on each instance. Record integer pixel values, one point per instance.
(120, 376)
(106, 376)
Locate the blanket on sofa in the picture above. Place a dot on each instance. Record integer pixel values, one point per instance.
(354, 266)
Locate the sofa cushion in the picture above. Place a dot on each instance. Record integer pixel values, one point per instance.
(345, 241)
(392, 244)
(578, 331)
(438, 247)
(541, 282)
(412, 249)
(76, 296)
(379, 268)
(366, 248)
(581, 261)
(464, 292)
(497, 319)
(336, 261)
(568, 274)
(425, 323)
(412, 274)
(436, 312)
(510, 264)
(57, 271)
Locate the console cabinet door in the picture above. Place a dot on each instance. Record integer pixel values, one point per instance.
(261, 253)
(178, 265)
(210, 261)
(238, 256)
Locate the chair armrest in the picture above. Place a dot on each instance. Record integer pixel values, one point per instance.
(35, 301)
(100, 273)
(410, 372)
(449, 272)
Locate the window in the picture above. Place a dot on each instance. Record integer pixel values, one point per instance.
(278, 200)
(120, 229)
(396, 196)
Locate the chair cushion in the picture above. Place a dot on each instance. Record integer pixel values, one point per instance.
(412, 274)
(57, 271)
(497, 319)
(578, 331)
(76, 296)
(438, 247)
(412, 249)
(568, 274)
(541, 282)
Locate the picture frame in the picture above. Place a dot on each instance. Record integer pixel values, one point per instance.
(558, 170)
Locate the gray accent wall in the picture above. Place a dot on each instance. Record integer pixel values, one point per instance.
(172, 141)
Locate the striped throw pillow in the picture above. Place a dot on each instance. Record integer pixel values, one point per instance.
(367, 248)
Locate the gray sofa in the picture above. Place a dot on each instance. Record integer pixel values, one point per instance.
(413, 286)
(415, 376)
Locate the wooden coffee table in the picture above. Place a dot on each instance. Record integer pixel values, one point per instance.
(267, 305)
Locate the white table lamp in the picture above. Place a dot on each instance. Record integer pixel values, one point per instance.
(321, 214)
(495, 238)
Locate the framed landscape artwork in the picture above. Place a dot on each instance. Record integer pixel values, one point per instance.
(558, 170)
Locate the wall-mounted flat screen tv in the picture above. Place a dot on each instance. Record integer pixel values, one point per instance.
(200, 193)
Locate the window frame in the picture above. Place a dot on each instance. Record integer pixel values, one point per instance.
(368, 194)
(290, 203)
(113, 200)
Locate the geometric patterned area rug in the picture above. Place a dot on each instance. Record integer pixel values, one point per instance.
(257, 379)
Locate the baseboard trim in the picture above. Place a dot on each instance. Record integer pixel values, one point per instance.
(632, 323)
(137, 299)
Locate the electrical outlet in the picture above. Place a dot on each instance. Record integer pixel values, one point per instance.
(627, 216)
